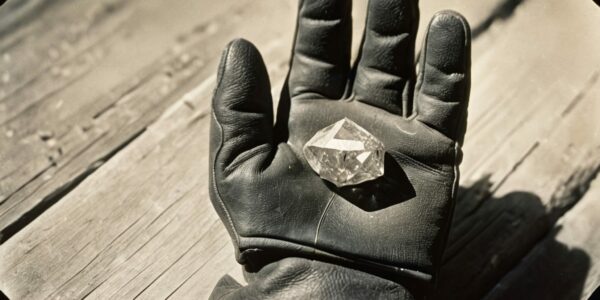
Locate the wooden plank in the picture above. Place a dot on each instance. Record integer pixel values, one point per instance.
(528, 134)
(26, 61)
(566, 263)
(132, 228)
(480, 14)
(66, 64)
(161, 231)
(172, 142)
(58, 140)
(57, 49)
(157, 236)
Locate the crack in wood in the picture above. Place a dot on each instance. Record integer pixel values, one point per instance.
(16, 13)
(130, 280)
(170, 266)
(82, 70)
(498, 215)
(503, 11)
(176, 61)
(581, 95)
(123, 94)
(516, 165)
(195, 272)
(472, 231)
(60, 192)
(570, 247)
(85, 48)
(95, 257)
(20, 188)
(116, 268)
(136, 251)
(478, 194)
(574, 187)
(486, 212)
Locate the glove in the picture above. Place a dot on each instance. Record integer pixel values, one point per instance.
(271, 201)
(299, 278)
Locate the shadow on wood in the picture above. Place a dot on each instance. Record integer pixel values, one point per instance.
(503, 11)
(478, 255)
(541, 281)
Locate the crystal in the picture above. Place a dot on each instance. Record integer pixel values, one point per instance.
(345, 154)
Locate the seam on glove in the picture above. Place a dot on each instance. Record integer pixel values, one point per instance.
(456, 175)
(323, 217)
(418, 164)
(247, 155)
(216, 188)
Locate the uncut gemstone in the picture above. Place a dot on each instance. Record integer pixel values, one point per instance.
(345, 154)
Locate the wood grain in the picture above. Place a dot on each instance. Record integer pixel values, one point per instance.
(566, 263)
(101, 256)
(532, 125)
(59, 139)
(74, 63)
(127, 208)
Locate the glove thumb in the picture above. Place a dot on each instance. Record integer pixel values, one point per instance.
(242, 109)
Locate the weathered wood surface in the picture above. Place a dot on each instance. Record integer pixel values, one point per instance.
(141, 224)
(85, 80)
(533, 124)
(67, 65)
(566, 263)
(208, 37)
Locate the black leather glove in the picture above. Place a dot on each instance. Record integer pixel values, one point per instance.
(299, 278)
(275, 206)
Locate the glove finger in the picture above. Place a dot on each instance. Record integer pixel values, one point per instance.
(386, 63)
(242, 107)
(321, 59)
(444, 79)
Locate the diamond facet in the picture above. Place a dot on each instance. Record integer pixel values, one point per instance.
(345, 154)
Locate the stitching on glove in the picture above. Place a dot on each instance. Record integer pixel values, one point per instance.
(215, 187)
(246, 155)
(323, 217)
(416, 163)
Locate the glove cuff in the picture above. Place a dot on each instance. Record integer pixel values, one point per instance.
(301, 278)
(255, 253)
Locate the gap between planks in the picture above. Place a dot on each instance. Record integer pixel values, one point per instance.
(189, 288)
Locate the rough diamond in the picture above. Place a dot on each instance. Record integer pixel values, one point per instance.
(345, 154)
